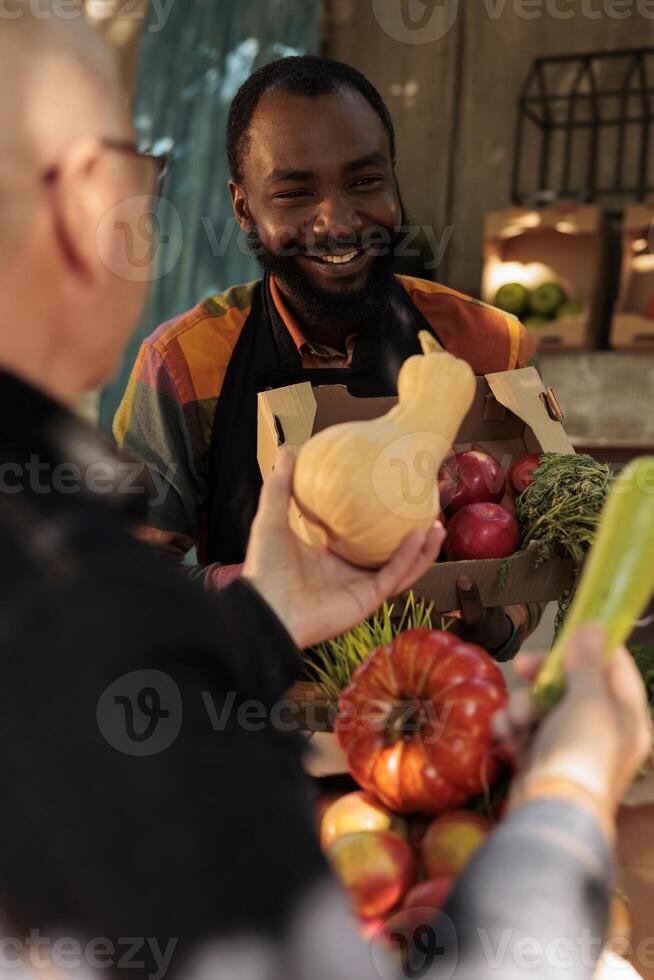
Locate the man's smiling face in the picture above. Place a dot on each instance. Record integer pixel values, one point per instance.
(320, 200)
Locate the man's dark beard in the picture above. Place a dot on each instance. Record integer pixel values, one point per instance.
(331, 313)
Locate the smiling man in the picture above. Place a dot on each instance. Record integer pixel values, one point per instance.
(312, 154)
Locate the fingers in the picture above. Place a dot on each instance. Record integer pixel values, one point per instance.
(517, 720)
(276, 493)
(626, 686)
(527, 665)
(429, 548)
(625, 682)
(584, 661)
(513, 730)
(390, 578)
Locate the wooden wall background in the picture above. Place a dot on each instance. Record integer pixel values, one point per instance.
(454, 99)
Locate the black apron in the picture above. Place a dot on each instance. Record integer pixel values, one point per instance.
(265, 357)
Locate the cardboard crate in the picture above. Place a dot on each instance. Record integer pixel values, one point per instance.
(631, 327)
(512, 414)
(565, 243)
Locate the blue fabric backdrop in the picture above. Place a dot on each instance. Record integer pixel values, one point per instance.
(189, 72)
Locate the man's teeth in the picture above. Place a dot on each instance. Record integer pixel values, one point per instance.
(339, 259)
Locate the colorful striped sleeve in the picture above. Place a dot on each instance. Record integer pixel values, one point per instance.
(151, 424)
(489, 339)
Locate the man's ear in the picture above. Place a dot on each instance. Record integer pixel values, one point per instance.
(79, 202)
(240, 206)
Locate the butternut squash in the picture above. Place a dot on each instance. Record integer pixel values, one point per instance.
(367, 485)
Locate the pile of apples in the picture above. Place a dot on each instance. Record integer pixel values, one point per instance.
(397, 871)
(475, 493)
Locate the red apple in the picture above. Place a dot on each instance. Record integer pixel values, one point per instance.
(481, 531)
(377, 869)
(430, 894)
(451, 840)
(321, 805)
(369, 928)
(356, 812)
(521, 474)
(421, 907)
(469, 478)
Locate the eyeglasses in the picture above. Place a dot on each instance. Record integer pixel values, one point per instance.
(158, 163)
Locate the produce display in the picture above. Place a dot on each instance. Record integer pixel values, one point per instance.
(366, 485)
(415, 722)
(415, 704)
(390, 878)
(397, 889)
(536, 307)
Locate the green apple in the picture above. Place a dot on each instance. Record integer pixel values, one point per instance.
(535, 321)
(569, 309)
(546, 300)
(512, 297)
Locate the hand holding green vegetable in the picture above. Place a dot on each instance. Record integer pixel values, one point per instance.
(590, 746)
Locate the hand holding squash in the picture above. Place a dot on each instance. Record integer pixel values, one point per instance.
(367, 485)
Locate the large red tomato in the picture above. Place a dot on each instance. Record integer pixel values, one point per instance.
(415, 722)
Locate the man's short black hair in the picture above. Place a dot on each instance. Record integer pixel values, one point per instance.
(308, 76)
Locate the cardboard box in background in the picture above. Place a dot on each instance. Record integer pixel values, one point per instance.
(566, 243)
(631, 327)
(509, 417)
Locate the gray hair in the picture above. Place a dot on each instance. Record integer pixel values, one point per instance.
(30, 39)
